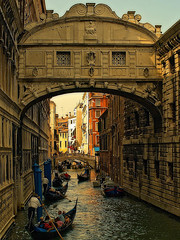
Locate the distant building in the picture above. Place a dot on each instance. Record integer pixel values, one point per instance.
(71, 133)
(62, 131)
(85, 123)
(79, 126)
(98, 103)
(53, 148)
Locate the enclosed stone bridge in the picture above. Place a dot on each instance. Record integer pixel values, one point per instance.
(90, 49)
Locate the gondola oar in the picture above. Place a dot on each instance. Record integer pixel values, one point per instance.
(50, 219)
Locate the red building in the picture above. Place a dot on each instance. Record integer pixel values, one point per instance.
(98, 103)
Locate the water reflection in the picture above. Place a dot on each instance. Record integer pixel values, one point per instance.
(100, 218)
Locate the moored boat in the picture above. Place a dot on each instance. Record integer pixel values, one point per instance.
(111, 189)
(38, 232)
(65, 176)
(84, 176)
(56, 194)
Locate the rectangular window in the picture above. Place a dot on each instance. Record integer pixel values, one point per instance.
(98, 113)
(65, 143)
(119, 58)
(145, 165)
(127, 163)
(172, 64)
(63, 58)
(135, 167)
(97, 140)
(170, 170)
(156, 163)
(60, 144)
(7, 168)
(96, 126)
(98, 102)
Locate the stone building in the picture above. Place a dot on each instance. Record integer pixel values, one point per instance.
(147, 162)
(111, 128)
(23, 141)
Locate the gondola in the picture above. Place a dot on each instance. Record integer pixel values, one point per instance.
(110, 189)
(41, 233)
(84, 176)
(57, 182)
(57, 194)
(65, 176)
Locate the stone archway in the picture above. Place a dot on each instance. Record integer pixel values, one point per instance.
(90, 49)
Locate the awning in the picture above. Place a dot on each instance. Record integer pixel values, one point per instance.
(96, 149)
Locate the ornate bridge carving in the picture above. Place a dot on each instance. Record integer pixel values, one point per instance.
(90, 49)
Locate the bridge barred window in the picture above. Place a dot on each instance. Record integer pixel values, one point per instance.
(118, 58)
(63, 58)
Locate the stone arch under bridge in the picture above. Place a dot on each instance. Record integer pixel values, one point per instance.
(90, 49)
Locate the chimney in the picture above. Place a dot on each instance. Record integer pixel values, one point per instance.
(69, 114)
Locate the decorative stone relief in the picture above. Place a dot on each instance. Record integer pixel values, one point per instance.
(146, 72)
(92, 83)
(91, 58)
(91, 71)
(35, 72)
(104, 11)
(90, 30)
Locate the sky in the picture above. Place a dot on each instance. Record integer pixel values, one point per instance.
(155, 12)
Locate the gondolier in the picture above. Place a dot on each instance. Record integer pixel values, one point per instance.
(33, 204)
(45, 182)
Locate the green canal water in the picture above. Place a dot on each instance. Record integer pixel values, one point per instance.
(100, 218)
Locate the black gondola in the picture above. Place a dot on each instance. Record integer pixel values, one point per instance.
(57, 182)
(56, 194)
(41, 233)
(84, 176)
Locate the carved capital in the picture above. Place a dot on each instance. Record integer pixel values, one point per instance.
(92, 83)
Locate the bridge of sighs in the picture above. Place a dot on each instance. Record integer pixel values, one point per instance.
(91, 49)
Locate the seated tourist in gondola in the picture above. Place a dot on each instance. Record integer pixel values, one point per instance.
(54, 191)
(58, 223)
(67, 220)
(41, 222)
(61, 216)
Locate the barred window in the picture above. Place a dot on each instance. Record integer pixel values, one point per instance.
(118, 58)
(63, 58)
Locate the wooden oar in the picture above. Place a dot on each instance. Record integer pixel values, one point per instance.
(51, 219)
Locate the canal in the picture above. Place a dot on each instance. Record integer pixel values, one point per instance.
(100, 218)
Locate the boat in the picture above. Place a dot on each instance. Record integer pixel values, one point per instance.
(111, 189)
(65, 176)
(57, 181)
(84, 176)
(56, 194)
(38, 232)
(99, 179)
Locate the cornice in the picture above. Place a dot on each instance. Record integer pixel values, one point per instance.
(169, 40)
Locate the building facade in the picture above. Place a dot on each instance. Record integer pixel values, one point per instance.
(72, 133)
(62, 131)
(149, 162)
(98, 103)
(85, 124)
(23, 141)
(53, 119)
